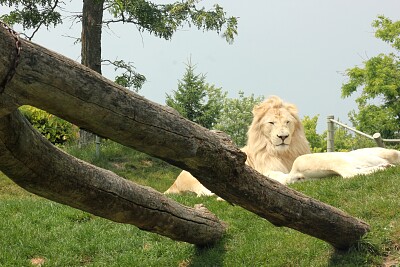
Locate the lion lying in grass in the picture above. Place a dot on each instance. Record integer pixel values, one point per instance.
(346, 164)
(275, 139)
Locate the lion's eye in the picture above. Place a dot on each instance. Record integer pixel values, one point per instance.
(271, 122)
(287, 122)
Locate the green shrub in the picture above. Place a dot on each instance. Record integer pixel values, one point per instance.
(56, 130)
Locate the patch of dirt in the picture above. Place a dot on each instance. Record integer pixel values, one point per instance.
(392, 254)
(38, 261)
(391, 261)
(146, 163)
(118, 165)
(86, 260)
(393, 258)
(146, 246)
(184, 263)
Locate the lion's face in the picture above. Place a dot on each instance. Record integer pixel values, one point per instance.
(278, 126)
(275, 137)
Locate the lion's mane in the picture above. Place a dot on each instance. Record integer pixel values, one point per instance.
(262, 153)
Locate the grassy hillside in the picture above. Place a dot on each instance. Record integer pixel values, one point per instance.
(33, 228)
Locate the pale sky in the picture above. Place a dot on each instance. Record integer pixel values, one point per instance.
(295, 49)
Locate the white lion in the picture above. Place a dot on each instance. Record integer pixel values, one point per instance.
(275, 139)
(346, 164)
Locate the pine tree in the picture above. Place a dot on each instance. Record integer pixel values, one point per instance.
(195, 99)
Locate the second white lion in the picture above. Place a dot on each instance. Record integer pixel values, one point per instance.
(346, 164)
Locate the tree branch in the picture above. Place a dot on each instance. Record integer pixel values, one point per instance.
(42, 21)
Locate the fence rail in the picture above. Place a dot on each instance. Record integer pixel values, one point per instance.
(331, 133)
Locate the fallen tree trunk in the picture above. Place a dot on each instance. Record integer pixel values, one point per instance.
(67, 89)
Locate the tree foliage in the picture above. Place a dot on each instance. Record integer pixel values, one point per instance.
(310, 129)
(56, 130)
(163, 20)
(32, 14)
(129, 78)
(196, 100)
(379, 81)
(236, 117)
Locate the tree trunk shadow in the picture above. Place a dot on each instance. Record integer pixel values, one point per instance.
(359, 254)
(212, 255)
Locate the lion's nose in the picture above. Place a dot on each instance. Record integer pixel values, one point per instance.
(283, 136)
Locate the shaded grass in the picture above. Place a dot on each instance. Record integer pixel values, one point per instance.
(32, 227)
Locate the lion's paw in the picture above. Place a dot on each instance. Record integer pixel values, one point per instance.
(277, 176)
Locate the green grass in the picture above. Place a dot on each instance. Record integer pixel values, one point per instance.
(35, 228)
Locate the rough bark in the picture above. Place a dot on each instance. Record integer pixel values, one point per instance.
(67, 89)
(92, 19)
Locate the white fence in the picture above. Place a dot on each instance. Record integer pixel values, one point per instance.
(331, 133)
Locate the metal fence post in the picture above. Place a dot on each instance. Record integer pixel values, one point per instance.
(330, 146)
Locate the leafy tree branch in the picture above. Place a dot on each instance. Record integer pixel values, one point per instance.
(33, 14)
(129, 77)
(379, 83)
(164, 20)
